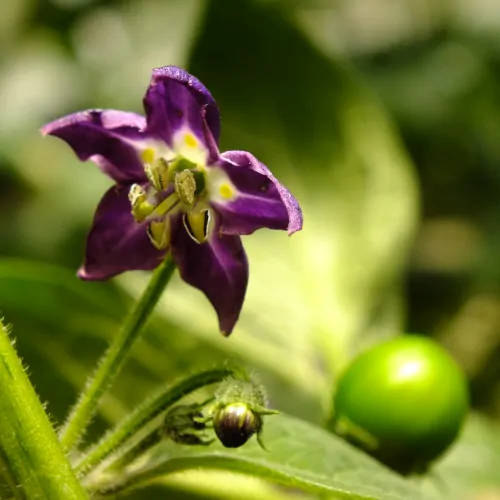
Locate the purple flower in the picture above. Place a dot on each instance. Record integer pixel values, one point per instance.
(175, 192)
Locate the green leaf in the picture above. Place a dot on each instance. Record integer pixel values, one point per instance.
(63, 324)
(472, 464)
(29, 448)
(211, 484)
(299, 455)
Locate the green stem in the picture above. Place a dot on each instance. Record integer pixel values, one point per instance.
(113, 359)
(144, 414)
(32, 454)
(10, 480)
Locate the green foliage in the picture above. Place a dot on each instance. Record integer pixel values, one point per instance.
(299, 455)
(281, 437)
(30, 452)
(471, 466)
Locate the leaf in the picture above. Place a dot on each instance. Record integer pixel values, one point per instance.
(299, 455)
(205, 484)
(472, 464)
(60, 324)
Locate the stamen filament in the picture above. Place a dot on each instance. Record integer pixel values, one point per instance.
(166, 205)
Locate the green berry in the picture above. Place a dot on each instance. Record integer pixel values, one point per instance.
(403, 400)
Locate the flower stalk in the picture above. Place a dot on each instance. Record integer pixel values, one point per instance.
(113, 359)
(30, 450)
(145, 413)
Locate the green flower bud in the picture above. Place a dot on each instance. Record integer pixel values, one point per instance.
(235, 423)
(403, 401)
(186, 424)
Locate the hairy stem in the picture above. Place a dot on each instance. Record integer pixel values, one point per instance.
(113, 359)
(146, 412)
(30, 451)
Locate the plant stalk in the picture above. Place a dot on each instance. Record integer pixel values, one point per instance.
(30, 450)
(145, 413)
(113, 359)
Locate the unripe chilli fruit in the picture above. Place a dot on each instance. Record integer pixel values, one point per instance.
(403, 401)
(235, 423)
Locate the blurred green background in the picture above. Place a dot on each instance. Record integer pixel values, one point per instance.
(382, 116)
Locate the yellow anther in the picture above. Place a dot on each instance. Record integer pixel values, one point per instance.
(190, 140)
(157, 173)
(197, 225)
(141, 208)
(226, 191)
(148, 155)
(185, 186)
(159, 233)
(136, 194)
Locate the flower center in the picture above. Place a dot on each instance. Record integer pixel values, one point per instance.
(176, 185)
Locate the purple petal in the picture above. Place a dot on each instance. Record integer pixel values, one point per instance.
(218, 267)
(106, 137)
(209, 139)
(261, 200)
(117, 243)
(176, 99)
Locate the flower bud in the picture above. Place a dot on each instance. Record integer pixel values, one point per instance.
(185, 424)
(235, 423)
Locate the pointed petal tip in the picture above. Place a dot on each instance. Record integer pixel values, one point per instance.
(168, 69)
(49, 128)
(44, 130)
(218, 267)
(226, 325)
(106, 137)
(175, 99)
(83, 274)
(67, 120)
(296, 221)
(277, 207)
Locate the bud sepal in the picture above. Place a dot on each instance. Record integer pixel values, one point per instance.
(187, 424)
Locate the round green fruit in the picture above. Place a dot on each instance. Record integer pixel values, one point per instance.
(403, 401)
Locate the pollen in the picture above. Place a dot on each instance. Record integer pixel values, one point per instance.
(148, 155)
(226, 191)
(190, 140)
(140, 207)
(185, 186)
